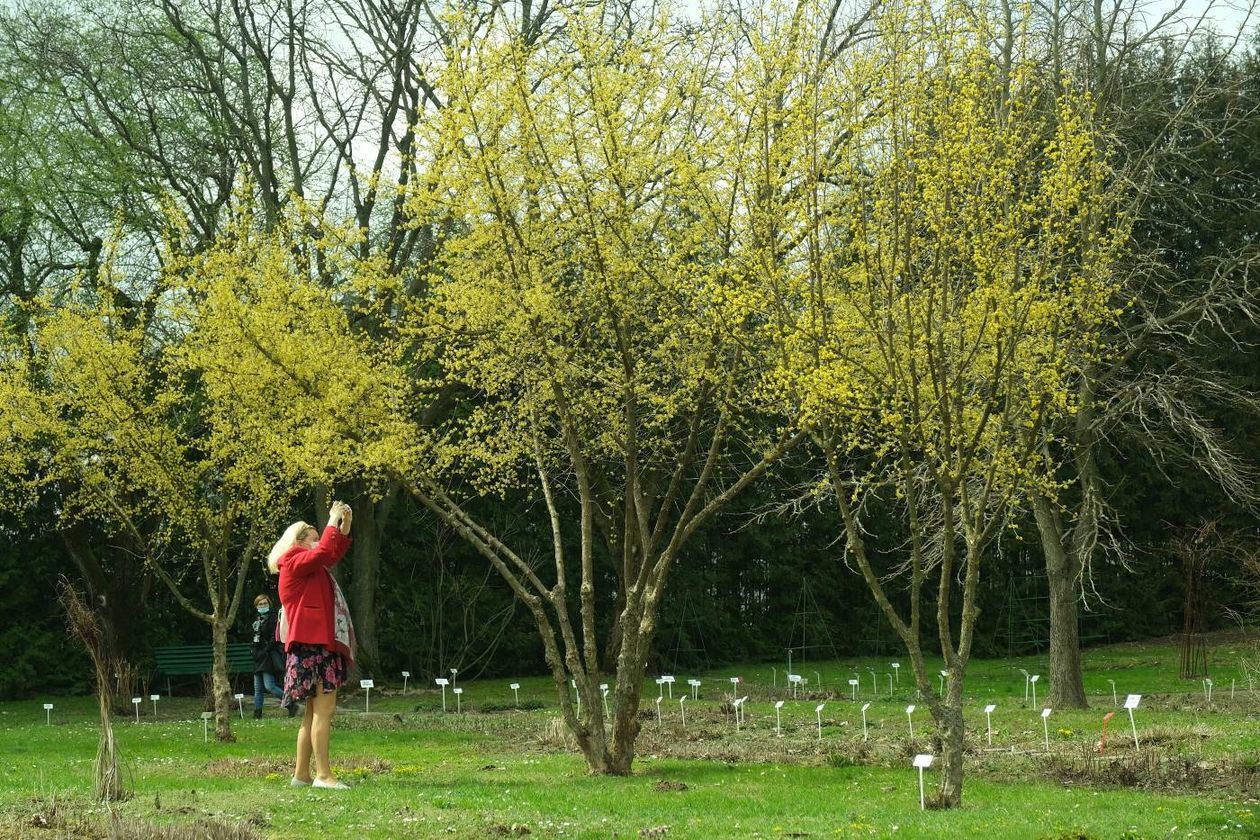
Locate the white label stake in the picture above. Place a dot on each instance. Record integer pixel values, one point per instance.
(406, 675)
(516, 692)
(458, 692)
(853, 687)
(1114, 700)
(818, 713)
(154, 698)
(865, 706)
(658, 710)
(922, 762)
(48, 712)
(683, 711)
(239, 705)
(695, 689)
(1033, 681)
(443, 681)
(367, 686)
(205, 725)
(1131, 703)
(136, 701)
(896, 666)
(988, 721)
(910, 718)
(1045, 725)
(778, 720)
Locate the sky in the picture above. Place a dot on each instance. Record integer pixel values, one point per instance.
(1228, 15)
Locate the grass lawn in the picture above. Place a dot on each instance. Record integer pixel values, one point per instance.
(420, 773)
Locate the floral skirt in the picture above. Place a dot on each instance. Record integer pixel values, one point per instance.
(308, 665)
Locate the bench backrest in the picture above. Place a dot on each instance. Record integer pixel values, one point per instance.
(199, 659)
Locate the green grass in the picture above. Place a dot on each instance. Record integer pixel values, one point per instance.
(425, 774)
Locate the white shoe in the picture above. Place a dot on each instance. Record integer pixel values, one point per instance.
(296, 782)
(331, 785)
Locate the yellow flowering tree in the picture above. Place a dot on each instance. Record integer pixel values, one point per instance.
(578, 311)
(943, 264)
(586, 306)
(113, 412)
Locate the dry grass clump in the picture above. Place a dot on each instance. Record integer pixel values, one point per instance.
(239, 768)
(107, 779)
(555, 735)
(207, 828)
(49, 818)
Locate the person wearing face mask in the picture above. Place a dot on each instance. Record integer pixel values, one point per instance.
(268, 656)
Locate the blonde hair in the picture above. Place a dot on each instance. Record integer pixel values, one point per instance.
(287, 540)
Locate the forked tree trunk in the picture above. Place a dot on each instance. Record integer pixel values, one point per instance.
(949, 720)
(631, 664)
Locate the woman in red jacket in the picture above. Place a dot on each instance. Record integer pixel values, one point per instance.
(317, 634)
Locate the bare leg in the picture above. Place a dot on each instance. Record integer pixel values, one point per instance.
(321, 709)
(302, 766)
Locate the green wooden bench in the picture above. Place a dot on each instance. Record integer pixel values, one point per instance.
(189, 660)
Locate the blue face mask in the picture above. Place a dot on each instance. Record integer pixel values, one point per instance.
(264, 609)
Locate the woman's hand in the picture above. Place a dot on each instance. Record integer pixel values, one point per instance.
(340, 516)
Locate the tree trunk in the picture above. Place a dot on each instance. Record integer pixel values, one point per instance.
(1063, 569)
(365, 562)
(625, 724)
(221, 682)
(950, 721)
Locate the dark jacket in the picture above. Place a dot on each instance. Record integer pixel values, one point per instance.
(263, 644)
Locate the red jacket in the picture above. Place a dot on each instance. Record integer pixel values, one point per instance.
(306, 590)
